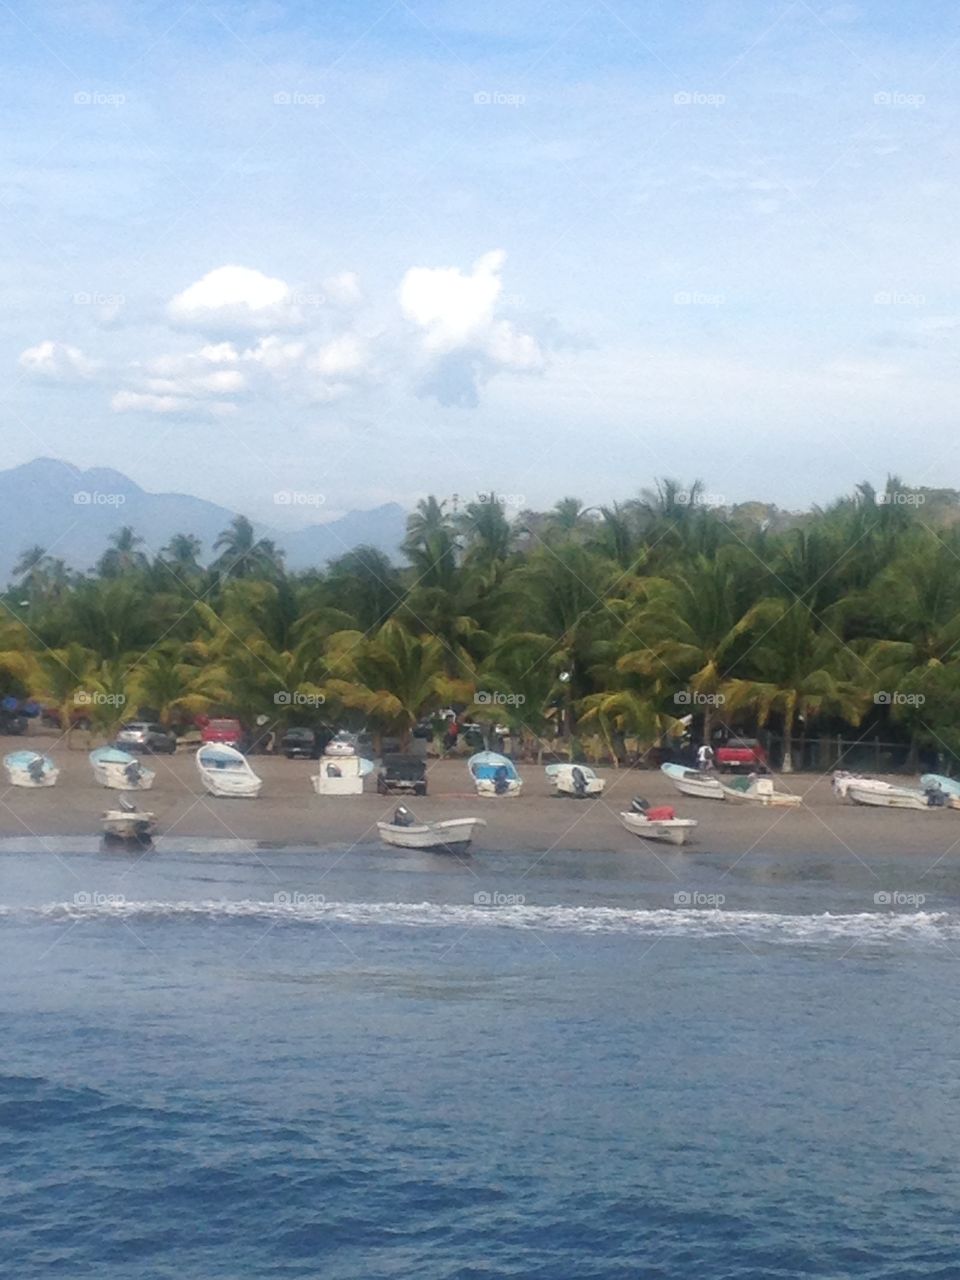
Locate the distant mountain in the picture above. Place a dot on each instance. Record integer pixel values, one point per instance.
(71, 513)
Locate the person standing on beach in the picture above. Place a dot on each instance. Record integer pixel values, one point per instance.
(704, 757)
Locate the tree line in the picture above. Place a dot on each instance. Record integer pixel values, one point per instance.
(616, 625)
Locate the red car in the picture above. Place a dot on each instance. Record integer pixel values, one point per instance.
(223, 730)
(741, 755)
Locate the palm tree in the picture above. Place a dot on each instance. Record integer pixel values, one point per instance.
(171, 688)
(244, 555)
(430, 544)
(122, 556)
(393, 677)
(182, 555)
(802, 667)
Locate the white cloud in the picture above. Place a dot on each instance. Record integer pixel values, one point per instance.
(161, 403)
(57, 362)
(343, 356)
(234, 297)
(343, 290)
(452, 308)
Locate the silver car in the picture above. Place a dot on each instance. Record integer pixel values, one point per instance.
(143, 735)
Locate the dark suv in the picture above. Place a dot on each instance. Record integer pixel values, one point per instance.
(300, 744)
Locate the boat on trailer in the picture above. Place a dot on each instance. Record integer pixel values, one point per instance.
(691, 782)
(574, 780)
(30, 769)
(225, 771)
(120, 770)
(453, 835)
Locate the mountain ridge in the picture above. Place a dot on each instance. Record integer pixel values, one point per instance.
(71, 511)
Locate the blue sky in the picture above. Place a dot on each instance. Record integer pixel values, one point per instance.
(374, 250)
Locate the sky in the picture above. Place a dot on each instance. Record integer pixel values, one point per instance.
(361, 252)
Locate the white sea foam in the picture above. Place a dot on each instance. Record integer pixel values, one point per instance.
(874, 926)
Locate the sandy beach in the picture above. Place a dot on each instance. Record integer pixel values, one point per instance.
(288, 812)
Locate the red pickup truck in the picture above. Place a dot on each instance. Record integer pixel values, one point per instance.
(741, 755)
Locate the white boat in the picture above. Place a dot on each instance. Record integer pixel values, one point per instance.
(129, 823)
(120, 770)
(494, 774)
(30, 769)
(673, 830)
(888, 798)
(340, 771)
(450, 836)
(574, 780)
(753, 790)
(940, 782)
(842, 781)
(225, 771)
(691, 782)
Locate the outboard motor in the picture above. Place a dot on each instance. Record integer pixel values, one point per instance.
(402, 817)
(133, 773)
(333, 771)
(35, 770)
(936, 798)
(579, 782)
(500, 779)
(639, 805)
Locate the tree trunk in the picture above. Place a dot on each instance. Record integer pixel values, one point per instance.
(707, 723)
(788, 714)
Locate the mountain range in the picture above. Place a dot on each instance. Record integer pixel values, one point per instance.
(71, 512)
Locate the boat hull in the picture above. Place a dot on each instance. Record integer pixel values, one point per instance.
(218, 783)
(671, 830)
(891, 798)
(486, 787)
(115, 777)
(19, 775)
(689, 783)
(131, 827)
(452, 836)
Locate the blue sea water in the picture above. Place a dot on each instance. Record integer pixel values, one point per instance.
(224, 1061)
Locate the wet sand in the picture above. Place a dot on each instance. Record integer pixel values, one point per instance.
(288, 812)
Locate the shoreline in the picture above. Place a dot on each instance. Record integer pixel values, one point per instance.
(288, 812)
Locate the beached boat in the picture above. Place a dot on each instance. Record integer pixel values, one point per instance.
(225, 771)
(30, 769)
(691, 782)
(120, 770)
(888, 797)
(842, 781)
(673, 830)
(940, 782)
(128, 823)
(574, 780)
(494, 774)
(450, 836)
(341, 770)
(753, 790)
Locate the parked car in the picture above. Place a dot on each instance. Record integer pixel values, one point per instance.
(404, 773)
(225, 730)
(301, 744)
(143, 735)
(741, 755)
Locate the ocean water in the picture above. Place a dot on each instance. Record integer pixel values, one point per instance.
(229, 1061)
